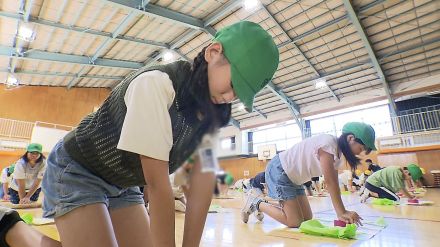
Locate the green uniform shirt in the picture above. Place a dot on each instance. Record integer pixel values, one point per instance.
(389, 177)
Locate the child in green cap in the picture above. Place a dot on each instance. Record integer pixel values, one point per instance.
(224, 180)
(386, 182)
(147, 127)
(25, 186)
(313, 157)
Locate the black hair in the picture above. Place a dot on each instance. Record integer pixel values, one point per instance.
(25, 158)
(369, 160)
(197, 99)
(343, 145)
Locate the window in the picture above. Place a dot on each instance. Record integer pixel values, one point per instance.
(227, 143)
(282, 136)
(378, 117)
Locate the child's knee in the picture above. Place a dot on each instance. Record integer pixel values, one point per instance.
(308, 216)
(294, 223)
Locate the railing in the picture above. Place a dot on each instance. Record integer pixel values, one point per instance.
(15, 129)
(53, 126)
(410, 140)
(16, 135)
(416, 122)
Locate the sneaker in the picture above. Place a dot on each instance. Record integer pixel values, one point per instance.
(259, 215)
(365, 195)
(246, 185)
(179, 206)
(249, 207)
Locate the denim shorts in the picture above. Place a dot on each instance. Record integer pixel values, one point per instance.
(280, 187)
(67, 185)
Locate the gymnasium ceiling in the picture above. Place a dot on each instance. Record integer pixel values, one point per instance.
(356, 46)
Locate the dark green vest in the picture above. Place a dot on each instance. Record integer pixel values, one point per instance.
(93, 143)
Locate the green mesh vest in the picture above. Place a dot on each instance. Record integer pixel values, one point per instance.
(93, 143)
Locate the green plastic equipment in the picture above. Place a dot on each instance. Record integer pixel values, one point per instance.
(314, 227)
(383, 201)
(27, 218)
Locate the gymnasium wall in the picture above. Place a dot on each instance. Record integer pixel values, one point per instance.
(47, 104)
(50, 104)
(7, 158)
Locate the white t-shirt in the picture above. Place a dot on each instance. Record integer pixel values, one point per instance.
(301, 162)
(147, 126)
(23, 170)
(344, 177)
(4, 177)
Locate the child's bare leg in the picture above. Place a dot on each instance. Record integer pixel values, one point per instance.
(290, 213)
(309, 191)
(132, 227)
(374, 194)
(305, 207)
(317, 187)
(22, 235)
(87, 226)
(145, 195)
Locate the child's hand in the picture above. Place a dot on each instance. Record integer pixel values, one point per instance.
(350, 217)
(25, 200)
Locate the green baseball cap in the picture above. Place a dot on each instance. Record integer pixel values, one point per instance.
(35, 147)
(362, 131)
(253, 56)
(11, 168)
(416, 172)
(229, 179)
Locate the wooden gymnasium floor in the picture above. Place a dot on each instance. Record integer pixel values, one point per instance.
(407, 225)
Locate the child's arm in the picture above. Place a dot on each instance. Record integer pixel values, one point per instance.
(199, 197)
(407, 194)
(350, 186)
(161, 201)
(30, 193)
(21, 188)
(331, 179)
(5, 191)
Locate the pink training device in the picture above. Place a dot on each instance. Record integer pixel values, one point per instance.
(339, 223)
(413, 201)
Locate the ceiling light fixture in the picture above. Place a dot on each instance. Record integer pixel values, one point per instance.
(320, 83)
(250, 4)
(168, 56)
(11, 81)
(25, 33)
